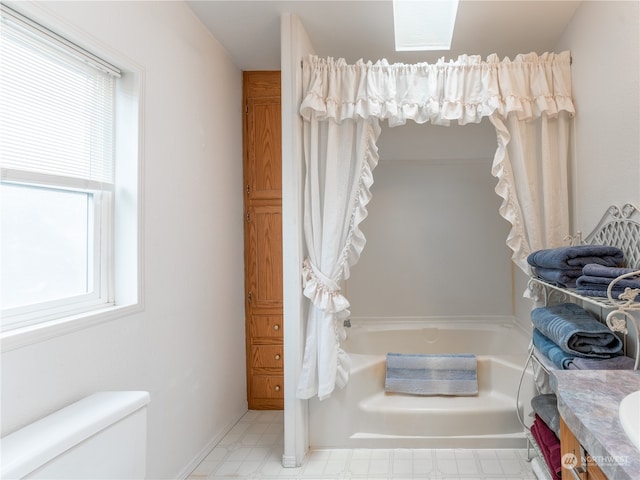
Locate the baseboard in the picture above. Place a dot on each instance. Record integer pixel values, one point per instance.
(210, 445)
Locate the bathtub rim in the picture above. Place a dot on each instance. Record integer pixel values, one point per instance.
(462, 324)
(454, 322)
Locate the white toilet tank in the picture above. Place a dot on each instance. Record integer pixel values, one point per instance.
(102, 436)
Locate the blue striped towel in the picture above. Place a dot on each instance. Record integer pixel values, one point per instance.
(432, 374)
(576, 331)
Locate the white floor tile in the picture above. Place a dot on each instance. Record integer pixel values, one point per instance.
(252, 450)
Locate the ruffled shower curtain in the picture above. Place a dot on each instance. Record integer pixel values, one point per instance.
(528, 100)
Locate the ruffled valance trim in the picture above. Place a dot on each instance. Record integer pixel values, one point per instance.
(465, 90)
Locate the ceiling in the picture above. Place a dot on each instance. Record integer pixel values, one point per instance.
(363, 29)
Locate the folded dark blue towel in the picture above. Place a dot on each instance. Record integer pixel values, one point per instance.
(589, 282)
(600, 292)
(595, 270)
(576, 257)
(595, 280)
(553, 352)
(576, 331)
(563, 277)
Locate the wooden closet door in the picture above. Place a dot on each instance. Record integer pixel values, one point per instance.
(264, 149)
(264, 256)
(263, 240)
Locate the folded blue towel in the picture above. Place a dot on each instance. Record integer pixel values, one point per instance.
(587, 282)
(576, 331)
(620, 362)
(553, 352)
(600, 292)
(598, 277)
(595, 270)
(595, 280)
(576, 257)
(564, 277)
(432, 374)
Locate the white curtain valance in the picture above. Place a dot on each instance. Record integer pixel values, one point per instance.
(464, 90)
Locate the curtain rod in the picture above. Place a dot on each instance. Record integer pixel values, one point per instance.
(570, 61)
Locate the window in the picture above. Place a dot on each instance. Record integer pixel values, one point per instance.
(58, 185)
(424, 25)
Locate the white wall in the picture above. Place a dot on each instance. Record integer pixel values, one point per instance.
(435, 240)
(295, 45)
(604, 40)
(187, 346)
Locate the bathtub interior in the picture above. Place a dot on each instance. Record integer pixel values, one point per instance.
(362, 415)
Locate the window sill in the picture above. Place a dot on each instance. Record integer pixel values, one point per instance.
(21, 337)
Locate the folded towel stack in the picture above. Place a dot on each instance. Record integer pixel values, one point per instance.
(558, 357)
(576, 331)
(595, 280)
(567, 332)
(563, 265)
(546, 407)
(546, 431)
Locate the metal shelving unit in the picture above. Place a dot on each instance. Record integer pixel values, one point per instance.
(620, 227)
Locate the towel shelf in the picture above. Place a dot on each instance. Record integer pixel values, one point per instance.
(619, 227)
(546, 291)
(620, 313)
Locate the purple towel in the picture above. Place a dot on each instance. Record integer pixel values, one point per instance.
(549, 445)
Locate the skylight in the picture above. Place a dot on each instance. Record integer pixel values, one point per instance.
(424, 24)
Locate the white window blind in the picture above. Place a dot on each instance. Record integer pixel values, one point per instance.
(57, 103)
(57, 108)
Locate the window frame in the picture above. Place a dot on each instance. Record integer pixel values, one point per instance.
(99, 267)
(124, 212)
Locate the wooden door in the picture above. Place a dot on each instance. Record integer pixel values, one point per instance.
(263, 240)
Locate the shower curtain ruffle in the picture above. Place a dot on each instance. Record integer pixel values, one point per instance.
(329, 307)
(341, 96)
(465, 90)
(324, 291)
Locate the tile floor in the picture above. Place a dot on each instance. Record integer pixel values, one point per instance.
(252, 450)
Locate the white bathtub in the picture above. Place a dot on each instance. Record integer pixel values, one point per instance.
(362, 415)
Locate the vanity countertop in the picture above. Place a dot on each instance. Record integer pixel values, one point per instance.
(588, 401)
